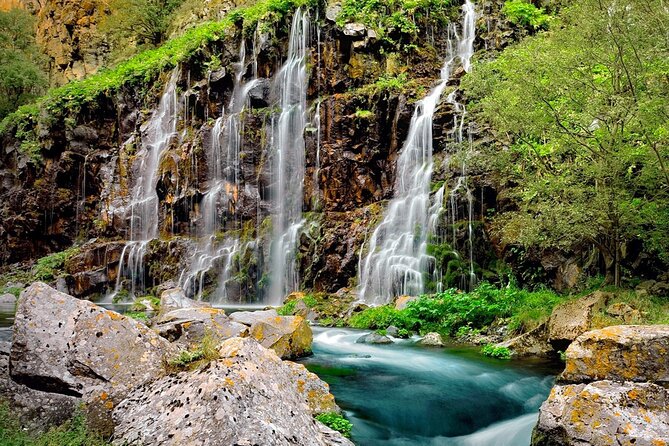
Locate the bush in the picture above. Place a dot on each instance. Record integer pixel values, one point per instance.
(379, 318)
(523, 13)
(495, 351)
(335, 421)
(49, 267)
(288, 309)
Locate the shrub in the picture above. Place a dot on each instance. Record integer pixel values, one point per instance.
(382, 317)
(288, 309)
(523, 13)
(49, 267)
(335, 421)
(495, 351)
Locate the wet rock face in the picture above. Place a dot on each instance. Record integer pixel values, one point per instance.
(246, 397)
(612, 391)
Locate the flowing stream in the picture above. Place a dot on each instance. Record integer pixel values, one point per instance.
(403, 394)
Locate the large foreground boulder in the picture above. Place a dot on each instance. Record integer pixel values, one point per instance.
(571, 319)
(249, 396)
(620, 353)
(612, 392)
(73, 347)
(604, 413)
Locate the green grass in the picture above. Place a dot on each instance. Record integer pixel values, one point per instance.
(335, 421)
(288, 309)
(205, 352)
(50, 267)
(71, 433)
(497, 352)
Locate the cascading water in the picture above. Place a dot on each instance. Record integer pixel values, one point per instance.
(142, 209)
(287, 158)
(219, 202)
(397, 250)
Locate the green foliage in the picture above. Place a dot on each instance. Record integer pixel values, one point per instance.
(585, 109)
(380, 318)
(138, 315)
(22, 77)
(524, 13)
(288, 309)
(205, 352)
(310, 300)
(335, 421)
(396, 22)
(50, 267)
(495, 351)
(364, 114)
(137, 23)
(392, 83)
(71, 433)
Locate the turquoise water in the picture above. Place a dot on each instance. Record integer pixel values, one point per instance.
(404, 394)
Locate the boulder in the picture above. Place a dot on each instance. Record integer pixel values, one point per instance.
(81, 349)
(392, 331)
(36, 410)
(402, 301)
(355, 29)
(532, 343)
(7, 300)
(604, 413)
(573, 318)
(175, 298)
(247, 397)
(374, 338)
(620, 353)
(623, 311)
(314, 390)
(432, 340)
(188, 326)
(250, 317)
(289, 336)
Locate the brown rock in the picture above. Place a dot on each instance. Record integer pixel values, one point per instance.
(532, 343)
(620, 353)
(573, 318)
(289, 336)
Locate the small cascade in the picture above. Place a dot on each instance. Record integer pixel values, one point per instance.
(218, 206)
(397, 259)
(142, 209)
(287, 160)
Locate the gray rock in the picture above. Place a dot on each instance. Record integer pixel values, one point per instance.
(573, 318)
(432, 340)
(532, 343)
(174, 299)
(374, 338)
(250, 317)
(188, 326)
(332, 11)
(81, 349)
(620, 353)
(392, 331)
(402, 301)
(7, 299)
(259, 94)
(247, 397)
(355, 30)
(604, 413)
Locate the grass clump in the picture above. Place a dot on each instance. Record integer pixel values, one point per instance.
(496, 351)
(203, 353)
(364, 114)
(288, 309)
(72, 433)
(335, 421)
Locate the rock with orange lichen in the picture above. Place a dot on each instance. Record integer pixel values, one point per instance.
(620, 353)
(315, 391)
(604, 413)
(248, 396)
(188, 326)
(289, 336)
(175, 298)
(573, 318)
(69, 346)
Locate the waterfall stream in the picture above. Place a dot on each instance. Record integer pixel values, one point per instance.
(397, 256)
(287, 160)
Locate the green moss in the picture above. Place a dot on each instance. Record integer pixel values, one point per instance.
(335, 421)
(288, 309)
(364, 114)
(138, 315)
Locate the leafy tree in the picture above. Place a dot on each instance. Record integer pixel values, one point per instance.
(138, 23)
(584, 113)
(21, 75)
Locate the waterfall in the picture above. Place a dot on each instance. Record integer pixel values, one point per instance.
(287, 160)
(143, 212)
(218, 205)
(397, 250)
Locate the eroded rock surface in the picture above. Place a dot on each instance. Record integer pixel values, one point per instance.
(247, 397)
(188, 326)
(571, 319)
